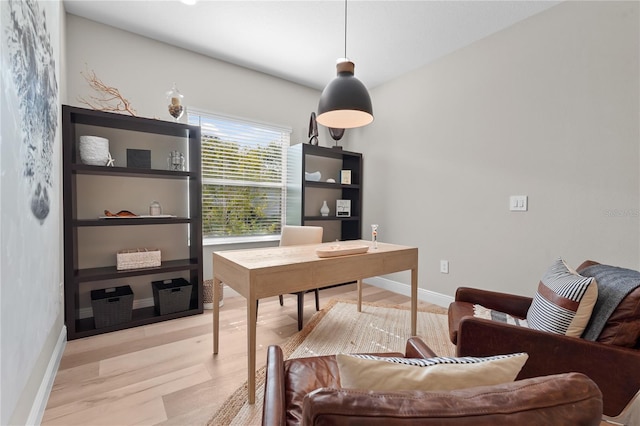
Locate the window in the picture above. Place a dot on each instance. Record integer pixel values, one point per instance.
(243, 176)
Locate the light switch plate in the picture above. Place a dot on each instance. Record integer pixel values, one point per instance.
(518, 203)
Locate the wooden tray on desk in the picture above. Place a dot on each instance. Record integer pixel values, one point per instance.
(341, 250)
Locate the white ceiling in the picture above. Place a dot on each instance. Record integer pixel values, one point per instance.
(301, 40)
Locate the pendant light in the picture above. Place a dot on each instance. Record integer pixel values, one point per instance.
(345, 102)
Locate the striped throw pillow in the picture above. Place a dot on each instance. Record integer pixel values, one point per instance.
(480, 311)
(564, 301)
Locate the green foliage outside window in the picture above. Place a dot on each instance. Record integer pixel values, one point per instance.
(242, 188)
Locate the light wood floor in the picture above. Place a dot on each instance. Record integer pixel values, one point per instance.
(165, 373)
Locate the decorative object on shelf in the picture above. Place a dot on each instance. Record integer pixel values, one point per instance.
(108, 95)
(94, 150)
(111, 161)
(336, 135)
(155, 209)
(139, 158)
(126, 214)
(313, 130)
(331, 180)
(374, 235)
(176, 109)
(121, 213)
(137, 258)
(176, 161)
(313, 176)
(324, 210)
(345, 177)
(345, 102)
(343, 208)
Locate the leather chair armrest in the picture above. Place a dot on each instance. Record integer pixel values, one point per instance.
(509, 303)
(567, 399)
(416, 348)
(274, 410)
(614, 369)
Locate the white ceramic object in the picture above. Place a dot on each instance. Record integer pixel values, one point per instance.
(313, 177)
(94, 150)
(324, 210)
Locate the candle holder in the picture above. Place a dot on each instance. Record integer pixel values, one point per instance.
(175, 161)
(374, 235)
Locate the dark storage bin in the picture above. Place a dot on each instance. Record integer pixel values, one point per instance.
(112, 305)
(171, 296)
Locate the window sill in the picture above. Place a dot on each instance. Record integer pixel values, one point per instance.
(240, 240)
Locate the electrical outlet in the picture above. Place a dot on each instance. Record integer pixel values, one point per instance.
(444, 266)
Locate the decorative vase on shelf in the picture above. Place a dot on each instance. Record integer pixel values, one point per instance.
(94, 150)
(324, 210)
(175, 103)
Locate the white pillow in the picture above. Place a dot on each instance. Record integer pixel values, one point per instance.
(442, 373)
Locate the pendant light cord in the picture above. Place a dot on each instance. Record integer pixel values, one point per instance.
(345, 28)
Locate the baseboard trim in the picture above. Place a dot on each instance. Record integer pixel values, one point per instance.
(405, 289)
(42, 397)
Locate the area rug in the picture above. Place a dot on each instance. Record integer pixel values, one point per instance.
(339, 328)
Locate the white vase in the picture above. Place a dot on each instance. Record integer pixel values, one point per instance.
(324, 210)
(94, 150)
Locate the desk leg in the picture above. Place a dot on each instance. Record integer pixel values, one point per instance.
(414, 300)
(252, 313)
(359, 286)
(216, 313)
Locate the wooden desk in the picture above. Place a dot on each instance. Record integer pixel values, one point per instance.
(265, 272)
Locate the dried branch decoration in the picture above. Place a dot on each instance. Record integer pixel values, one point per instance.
(108, 95)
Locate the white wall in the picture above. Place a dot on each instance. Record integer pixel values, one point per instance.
(32, 333)
(547, 108)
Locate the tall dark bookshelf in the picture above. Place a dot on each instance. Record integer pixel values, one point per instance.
(305, 197)
(75, 121)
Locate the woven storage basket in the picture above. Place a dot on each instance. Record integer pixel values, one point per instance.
(207, 292)
(137, 258)
(112, 305)
(171, 296)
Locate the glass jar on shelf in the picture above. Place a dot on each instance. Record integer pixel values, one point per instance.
(176, 161)
(175, 99)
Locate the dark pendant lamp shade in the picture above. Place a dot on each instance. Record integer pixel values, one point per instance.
(345, 101)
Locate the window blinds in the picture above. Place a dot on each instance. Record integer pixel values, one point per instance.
(243, 176)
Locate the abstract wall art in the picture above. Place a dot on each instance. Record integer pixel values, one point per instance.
(33, 71)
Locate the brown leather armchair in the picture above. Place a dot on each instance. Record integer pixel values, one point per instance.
(615, 369)
(307, 391)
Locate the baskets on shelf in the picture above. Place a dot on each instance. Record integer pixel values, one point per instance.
(171, 296)
(112, 306)
(137, 258)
